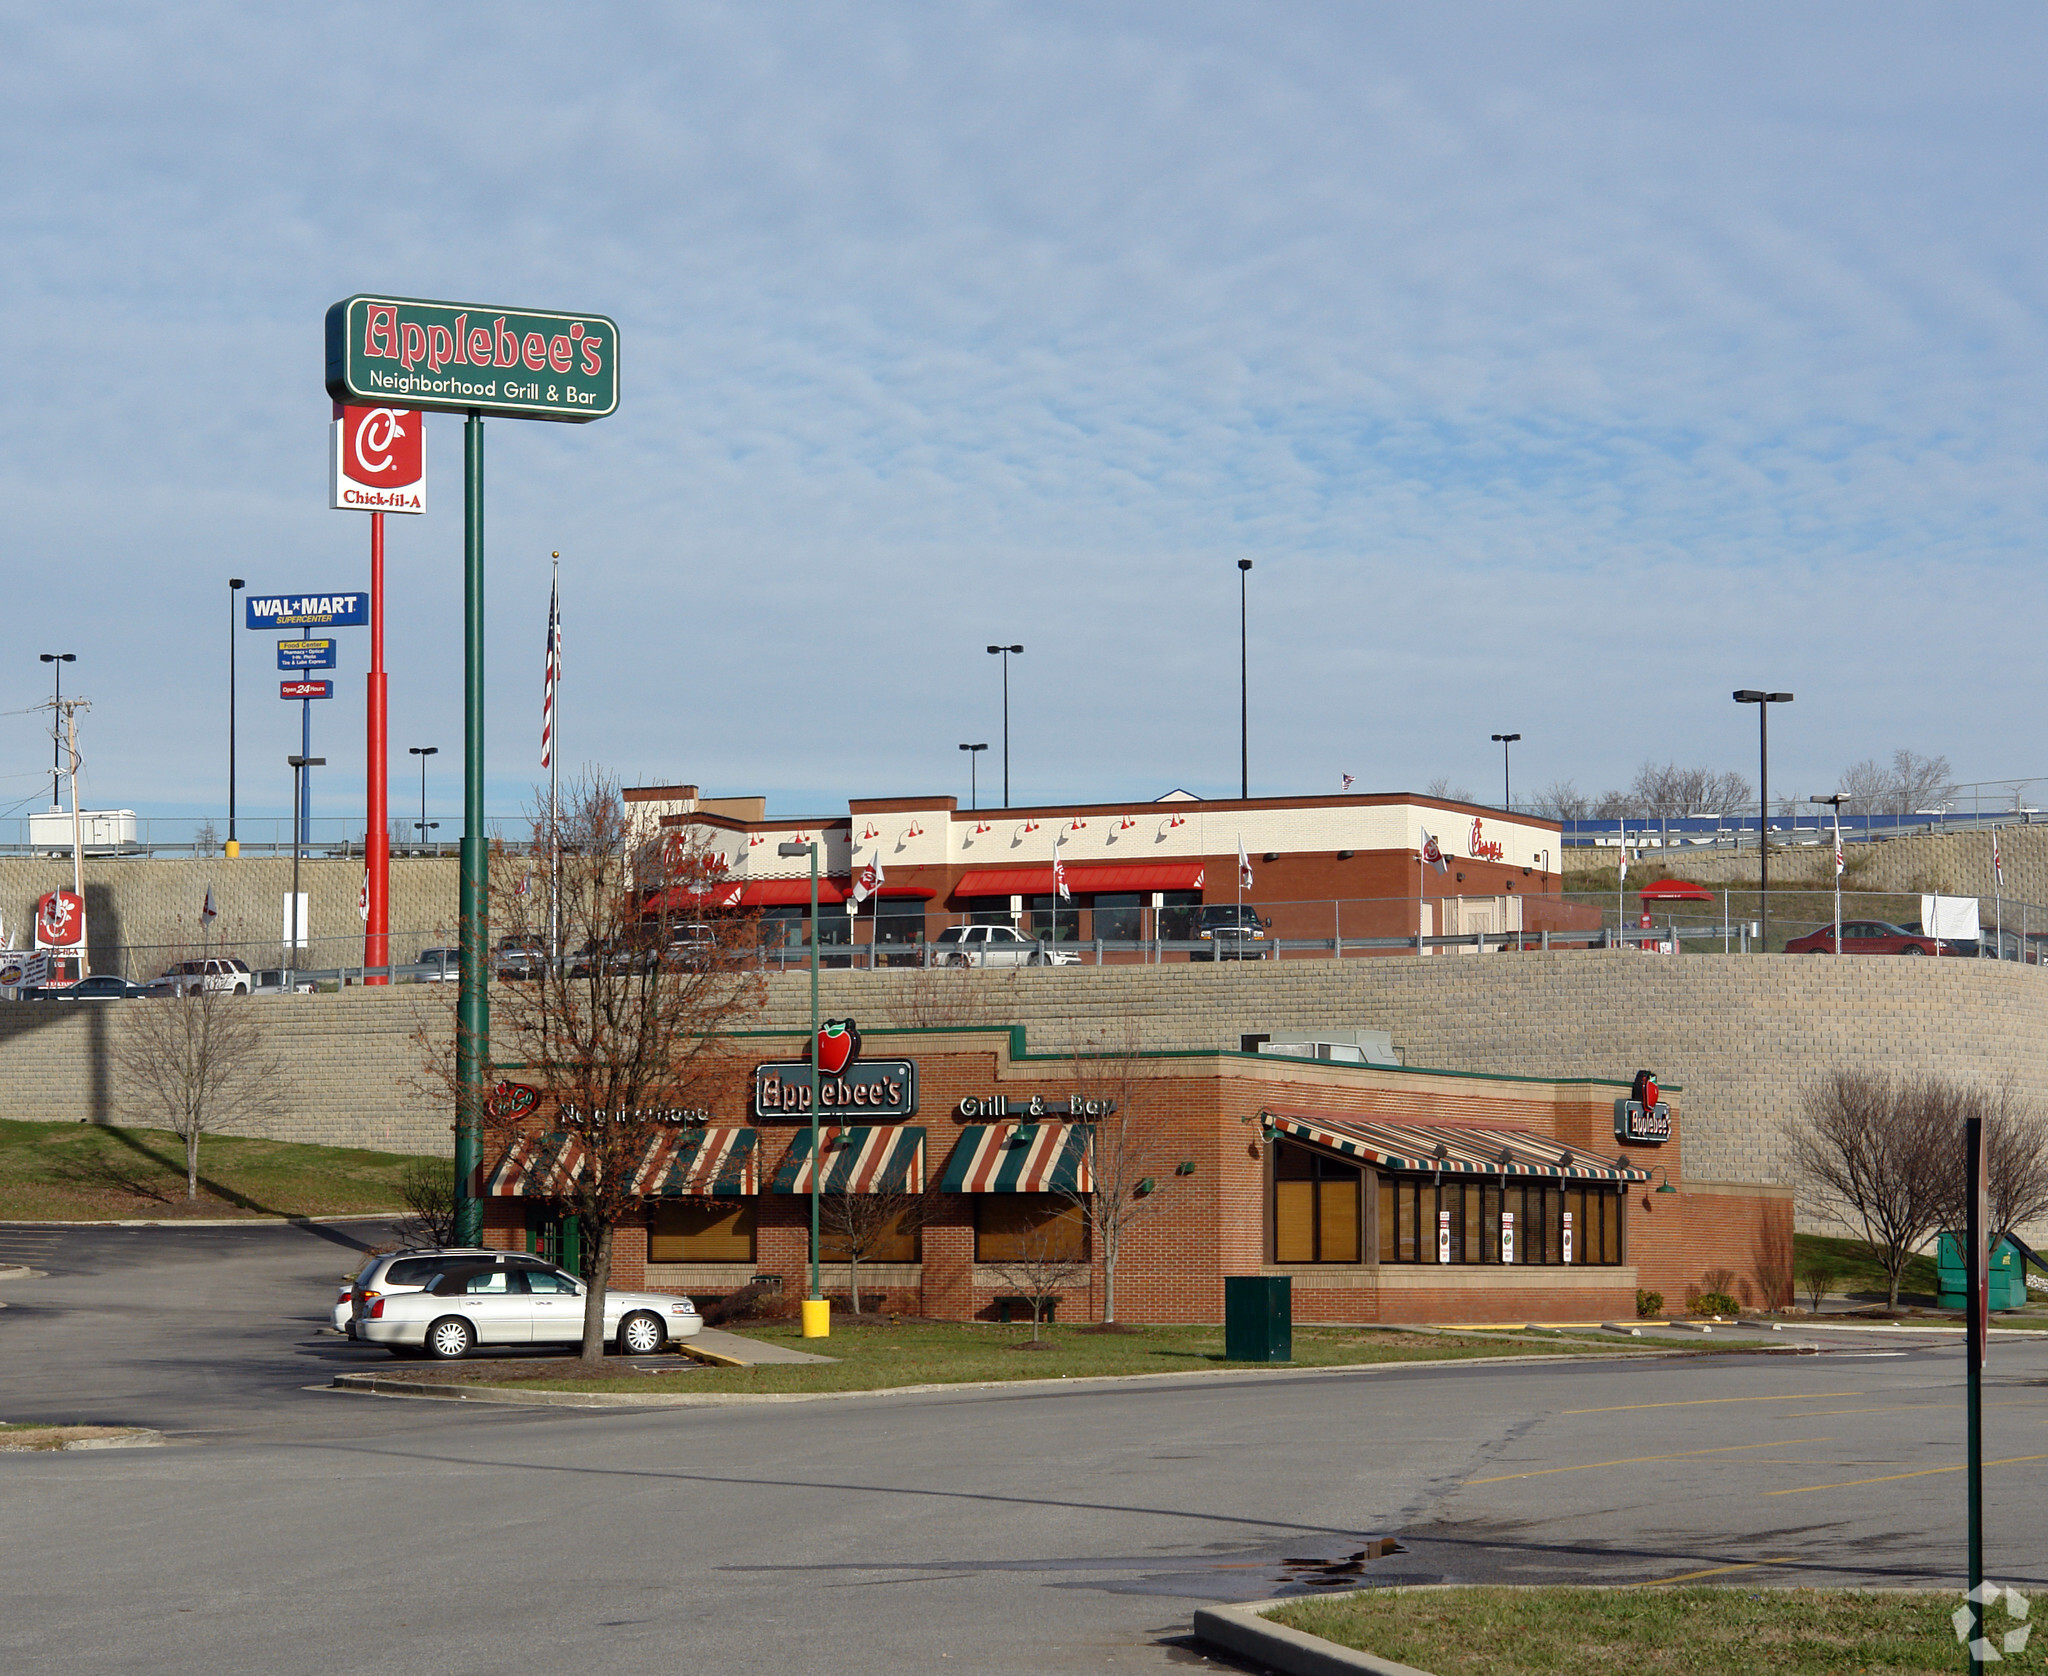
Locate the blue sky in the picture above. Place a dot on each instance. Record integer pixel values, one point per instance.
(1560, 369)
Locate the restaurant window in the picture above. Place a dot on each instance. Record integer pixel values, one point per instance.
(1051, 920)
(893, 1244)
(782, 926)
(714, 1231)
(899, 919)
(1423, 1220)
(1023, 1227)
(1316, 1208)
(1119, 916)
(1178, 912)
(994, 913)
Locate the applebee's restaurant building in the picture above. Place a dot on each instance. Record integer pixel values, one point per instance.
(1387, 1193)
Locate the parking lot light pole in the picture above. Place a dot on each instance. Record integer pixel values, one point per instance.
(1835, 802)
(1244, 683)
(817, 1318)
(1763, 702)
(973, 759)
(423, 752)
(1504, 740)
(1004, 653)
(58, 660)
(291, 914)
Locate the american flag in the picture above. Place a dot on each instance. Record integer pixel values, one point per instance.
(554, 670)
(1347, 782)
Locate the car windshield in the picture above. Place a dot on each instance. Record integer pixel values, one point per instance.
(952, 934)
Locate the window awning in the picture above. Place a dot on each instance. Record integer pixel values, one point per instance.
(671, 1163)
(1037, 881)
(1454, 1150)
(882, 1158)
(1021, 1158)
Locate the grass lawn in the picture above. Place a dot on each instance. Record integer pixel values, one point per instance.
(1857, 1271)
(876, 1357)
(89, 1171)
(1662, 1632)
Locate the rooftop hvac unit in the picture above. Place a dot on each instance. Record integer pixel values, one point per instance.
(100, 831)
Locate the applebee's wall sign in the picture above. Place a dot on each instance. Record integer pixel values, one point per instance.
(1033, 1105)
(848, 1085)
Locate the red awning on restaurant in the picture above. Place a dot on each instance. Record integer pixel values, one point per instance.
(1037, 881)
(679, 901)
(1675, 890)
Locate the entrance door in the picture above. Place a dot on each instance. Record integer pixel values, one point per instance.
(555, 1238)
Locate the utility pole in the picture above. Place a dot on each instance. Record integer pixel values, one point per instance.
(70, 730)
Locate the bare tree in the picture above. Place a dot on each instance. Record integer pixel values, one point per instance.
(1561, 800)
(196, 1062)
(2015, 1157)
(1442, 787)
(1863, 1146)
(1041, 1272)
(1124, 1157)
(626, 1028)
(1910, 782)
(428, 1190)
(861, 1224)
(1668, 792)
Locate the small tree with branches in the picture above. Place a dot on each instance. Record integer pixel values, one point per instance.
(624, 1028)
(858, 1225)
(2015, 1158)
(1124, 1157)
(196, 1062)
(1042, 1270)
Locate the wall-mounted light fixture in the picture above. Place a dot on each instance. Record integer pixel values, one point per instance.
(1346, 855)
(1186, 1167)
(1144, 1188)
(1272, 855)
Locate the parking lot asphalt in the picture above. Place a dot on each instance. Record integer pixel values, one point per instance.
(1029, 1530)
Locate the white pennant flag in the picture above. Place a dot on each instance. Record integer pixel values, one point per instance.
(1244, 864)
(868, 881)
(1432, 853)
(1059, 868)
(206, 909)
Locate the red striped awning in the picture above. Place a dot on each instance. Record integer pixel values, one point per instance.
(1021, 1158)
(671, 1163)
(1451, 1150)
(879, 1158)
(1037, 881)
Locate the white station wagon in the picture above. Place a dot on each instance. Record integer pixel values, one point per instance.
(994, 945)
(488, 1300)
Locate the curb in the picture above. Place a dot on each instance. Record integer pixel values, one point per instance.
(15, 1271)
(1244, 1630)
(219, 1222)
(382, 1385)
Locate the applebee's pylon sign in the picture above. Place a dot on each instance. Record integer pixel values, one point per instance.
(469, 358)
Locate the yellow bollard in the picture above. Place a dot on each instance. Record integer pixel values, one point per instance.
(817, 1318)
(234, 848)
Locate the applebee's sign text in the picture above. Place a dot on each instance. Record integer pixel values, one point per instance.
(465, 357)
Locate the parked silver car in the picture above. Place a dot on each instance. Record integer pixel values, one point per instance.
(502, 1298)
(994, 945)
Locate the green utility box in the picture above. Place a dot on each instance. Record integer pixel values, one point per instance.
(1258, 1317)
(2006, 1275)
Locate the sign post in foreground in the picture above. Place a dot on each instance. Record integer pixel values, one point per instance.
(1978, 1301)
(469, 359)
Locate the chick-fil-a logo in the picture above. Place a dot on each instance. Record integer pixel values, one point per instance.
(1480, 847)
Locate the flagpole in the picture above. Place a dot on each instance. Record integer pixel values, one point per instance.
(555, 762)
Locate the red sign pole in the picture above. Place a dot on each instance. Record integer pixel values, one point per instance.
(377, 836)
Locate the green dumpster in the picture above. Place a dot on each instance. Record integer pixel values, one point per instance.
(1258, 1317)
(2006, 1278)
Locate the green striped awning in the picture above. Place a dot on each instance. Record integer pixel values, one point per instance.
(1021, 1158)
(1447, 1149)
(879, 1158)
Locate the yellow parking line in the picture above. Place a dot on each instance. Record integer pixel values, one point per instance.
(1894, 1477)
(1638, 1460)
(1899, 1408)
(1708, 1402)
(1716, 1571)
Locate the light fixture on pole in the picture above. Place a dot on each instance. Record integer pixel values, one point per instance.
(973, 757)
(1004, 653)
(423, 752)
(235, 586)
(1763, 702)
(59, 660)
(294, 926)
(1835, 802)
(1504, 740)
(1244, 702)
(817, 1315)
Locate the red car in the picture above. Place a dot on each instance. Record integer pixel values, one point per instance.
(1864, 936)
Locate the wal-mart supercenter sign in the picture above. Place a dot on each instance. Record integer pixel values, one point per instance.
(463, 357)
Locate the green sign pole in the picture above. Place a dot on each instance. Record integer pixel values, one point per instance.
(473, 1005)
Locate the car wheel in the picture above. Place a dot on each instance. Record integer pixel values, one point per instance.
(241, 989)
(1912, 948)
(641, 1334)
(450, 1339)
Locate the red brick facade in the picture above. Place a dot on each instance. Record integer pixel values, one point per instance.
(1215, 1220)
